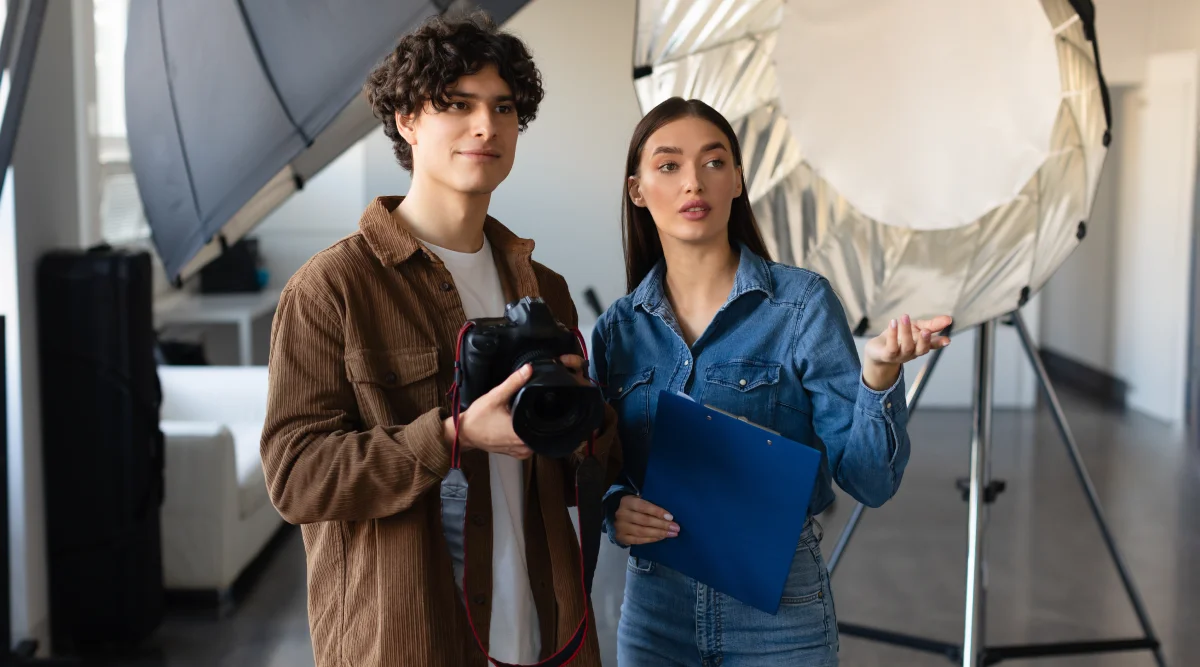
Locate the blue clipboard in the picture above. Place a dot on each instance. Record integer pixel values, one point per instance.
(740, 494)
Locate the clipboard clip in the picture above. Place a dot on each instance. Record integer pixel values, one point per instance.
(742, 419)
(730, 414)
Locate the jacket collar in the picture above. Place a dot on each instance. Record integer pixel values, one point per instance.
(392, 244)
(753, 275)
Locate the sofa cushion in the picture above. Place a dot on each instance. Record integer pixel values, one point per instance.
(252, 486)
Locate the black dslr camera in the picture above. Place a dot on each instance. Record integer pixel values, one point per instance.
(552, 413)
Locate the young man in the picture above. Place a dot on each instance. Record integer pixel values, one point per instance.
(358, 435)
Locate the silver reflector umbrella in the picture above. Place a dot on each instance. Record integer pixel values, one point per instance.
(926, 156)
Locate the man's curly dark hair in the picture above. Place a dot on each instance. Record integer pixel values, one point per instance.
(428, 60)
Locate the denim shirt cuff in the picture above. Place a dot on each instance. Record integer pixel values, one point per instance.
(880, 404)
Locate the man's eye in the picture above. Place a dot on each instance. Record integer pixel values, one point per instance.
(458, 106)
(504, 108)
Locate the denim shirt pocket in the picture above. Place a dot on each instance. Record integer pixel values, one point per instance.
(746, 388)
(629, 396)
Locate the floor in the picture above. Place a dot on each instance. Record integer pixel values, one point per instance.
(1049, 575)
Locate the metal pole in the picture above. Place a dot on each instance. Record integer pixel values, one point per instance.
(1085, 480)
(914, 395)
(974, 621)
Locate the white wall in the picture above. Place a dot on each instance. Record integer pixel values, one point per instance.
(327, 209)
(1078, 302)
(1130, 31)
(1154, 241)
(47, 215)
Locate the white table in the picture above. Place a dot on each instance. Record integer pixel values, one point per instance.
(190, 308)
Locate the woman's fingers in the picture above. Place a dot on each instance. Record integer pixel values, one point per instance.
(893, 346)
(640, 522)
(647, 521)
(636, 504)
(923, 339)
(630, 534)
(905, 338)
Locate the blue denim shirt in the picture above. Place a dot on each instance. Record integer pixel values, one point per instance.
(778, 353)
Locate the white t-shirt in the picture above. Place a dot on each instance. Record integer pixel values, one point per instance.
(514, 635)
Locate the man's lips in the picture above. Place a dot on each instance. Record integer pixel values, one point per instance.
(482, 155)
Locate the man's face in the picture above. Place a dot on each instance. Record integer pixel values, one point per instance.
(470, 146)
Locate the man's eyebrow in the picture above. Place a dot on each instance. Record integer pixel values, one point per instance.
(473, 96)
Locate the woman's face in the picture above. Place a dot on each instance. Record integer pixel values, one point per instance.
(687, 179)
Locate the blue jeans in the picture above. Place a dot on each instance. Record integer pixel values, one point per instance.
(668, 619)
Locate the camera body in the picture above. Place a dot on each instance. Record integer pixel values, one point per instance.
(553, 414)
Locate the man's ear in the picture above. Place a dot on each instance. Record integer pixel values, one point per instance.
(406, 126)
(635, 192)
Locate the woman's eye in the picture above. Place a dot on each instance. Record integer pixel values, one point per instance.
(667, 167)
(716, 164)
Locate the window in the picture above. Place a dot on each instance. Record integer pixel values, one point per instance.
(122, 220)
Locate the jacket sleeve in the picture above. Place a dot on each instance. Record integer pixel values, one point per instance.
(864, 430)
(619, 484)
(318, 465)
(607, 447)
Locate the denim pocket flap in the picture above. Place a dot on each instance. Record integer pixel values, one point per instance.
(743, 374)
(621, 384)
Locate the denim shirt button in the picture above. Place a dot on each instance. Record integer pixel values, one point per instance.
(687, 362)
(888, 406)
(742, 382)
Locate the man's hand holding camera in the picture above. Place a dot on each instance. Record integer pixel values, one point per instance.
(487, 424)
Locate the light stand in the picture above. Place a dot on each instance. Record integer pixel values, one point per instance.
(980, 490)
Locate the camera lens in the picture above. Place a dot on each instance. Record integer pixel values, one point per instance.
(552, 413)
(552, 408)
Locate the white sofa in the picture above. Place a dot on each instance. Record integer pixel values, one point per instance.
(216, 516)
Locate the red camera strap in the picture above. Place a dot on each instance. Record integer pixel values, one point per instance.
(574, 645)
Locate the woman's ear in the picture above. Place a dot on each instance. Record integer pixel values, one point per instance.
(741, 179)
(406, 126)
(635, 192)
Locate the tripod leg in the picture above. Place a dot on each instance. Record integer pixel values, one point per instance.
(974, 626)
(1085, 480)
(914, 395)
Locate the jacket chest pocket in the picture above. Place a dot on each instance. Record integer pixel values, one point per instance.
(394, 386)
(629, 396)
(745, 388)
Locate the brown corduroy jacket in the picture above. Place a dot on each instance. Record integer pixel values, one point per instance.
(362, 356)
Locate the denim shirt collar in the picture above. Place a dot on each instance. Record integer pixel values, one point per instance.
(753, 275)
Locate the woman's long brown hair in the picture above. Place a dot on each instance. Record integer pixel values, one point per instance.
(643, 248)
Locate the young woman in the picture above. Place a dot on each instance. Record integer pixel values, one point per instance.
(709, 314)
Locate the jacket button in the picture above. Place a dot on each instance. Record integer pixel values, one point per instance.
(478, 519)
(390, 378)
(479, 600)
(742, 382)
(446, 287)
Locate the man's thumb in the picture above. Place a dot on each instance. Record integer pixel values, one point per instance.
(512, 384)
